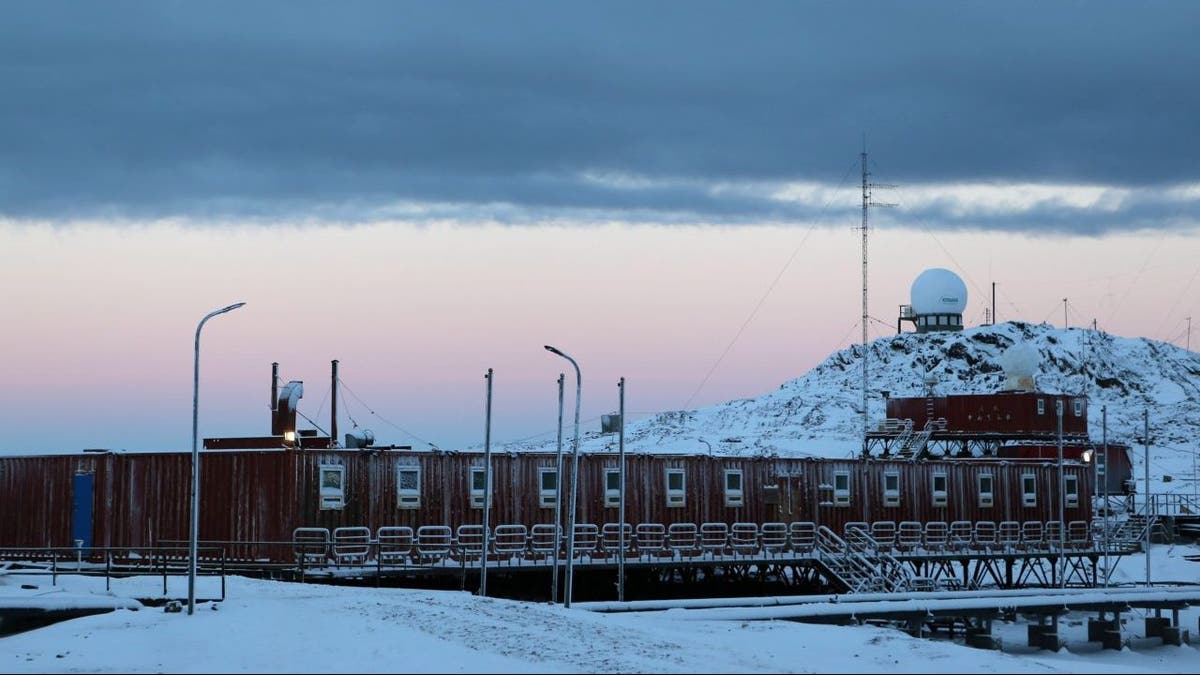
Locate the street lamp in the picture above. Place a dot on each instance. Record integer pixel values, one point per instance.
(574, 481)
(194, 535)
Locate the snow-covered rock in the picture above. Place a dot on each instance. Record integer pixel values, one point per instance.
(820, 413)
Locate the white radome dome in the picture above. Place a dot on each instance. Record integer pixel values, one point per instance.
(938, 291)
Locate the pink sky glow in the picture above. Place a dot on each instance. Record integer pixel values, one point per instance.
(100, 318)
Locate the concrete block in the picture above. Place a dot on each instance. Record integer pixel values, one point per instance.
(1096, 629)
(981, 640)
(1051, 641)
(1111, 639)
(1155, 626)
(1034, 633)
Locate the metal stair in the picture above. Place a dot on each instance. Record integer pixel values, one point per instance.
(1130, 534)
(915, 443)
(859, 565)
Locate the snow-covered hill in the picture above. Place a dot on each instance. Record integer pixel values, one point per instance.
(820, 413)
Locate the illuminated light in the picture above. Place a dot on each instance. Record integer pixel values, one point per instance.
(289, 436)
(1087, 456)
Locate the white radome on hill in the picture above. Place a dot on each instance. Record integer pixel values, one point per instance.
(820, 413)
(938, 291)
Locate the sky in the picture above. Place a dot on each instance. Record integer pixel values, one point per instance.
(669, 192)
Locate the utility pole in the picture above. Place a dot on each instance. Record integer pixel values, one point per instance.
(621, 516)
(1189, 334)
(1107, 514)
(1065, 325)
(1062, 498)
(487, 486)
(1146, 475)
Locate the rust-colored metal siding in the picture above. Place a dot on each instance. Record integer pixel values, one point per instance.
(1008, 413)
(255, 495)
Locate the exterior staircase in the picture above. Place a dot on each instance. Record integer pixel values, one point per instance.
(914, 444)
(859, 565)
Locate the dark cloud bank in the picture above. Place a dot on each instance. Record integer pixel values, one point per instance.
(329, 110)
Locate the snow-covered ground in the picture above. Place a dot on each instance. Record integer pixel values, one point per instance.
(266, 626)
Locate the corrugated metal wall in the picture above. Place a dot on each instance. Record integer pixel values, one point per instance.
(142, 499)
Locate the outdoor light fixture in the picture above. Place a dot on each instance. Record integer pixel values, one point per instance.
(194, 535)
(1087, 456)
(289, 436)
(570, 581)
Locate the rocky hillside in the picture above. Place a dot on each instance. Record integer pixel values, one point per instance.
(820, 413)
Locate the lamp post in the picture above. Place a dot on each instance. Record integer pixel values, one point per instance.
(574, 481)
(558, 471)
(194, 534)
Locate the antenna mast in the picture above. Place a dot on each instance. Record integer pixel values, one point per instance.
(866, 202)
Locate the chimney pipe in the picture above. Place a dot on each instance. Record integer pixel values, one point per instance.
(333, 434)
(274, 394)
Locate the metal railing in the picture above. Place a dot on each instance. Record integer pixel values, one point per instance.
(114, 562)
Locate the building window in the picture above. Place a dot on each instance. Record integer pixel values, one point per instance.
(986, 491)
(939, 489)
(891, 488)
(1071, 491)
(733, 487)
(333, 481)
(547, 487)
(941, 320)
(676, 493)
(408, 487)
(1028, 489)
(1101, 461)
(478, 487)
(1079, 408)
(1041, 406)
(612, 488)
(841, 488)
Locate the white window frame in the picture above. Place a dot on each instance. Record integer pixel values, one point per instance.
(891, 497)
(1078, 408)
(1071, 491)
(735, 497)
(1028, 498)
(987, 498)
(676, 498)
(940, 498)
(841, 497)
(547, 498)
(332, 498)
(408, 498)
(477, 493)
(612, 496)
(1041, 406)
(1101, 464)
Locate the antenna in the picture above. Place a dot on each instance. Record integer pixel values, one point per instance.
(866, 204)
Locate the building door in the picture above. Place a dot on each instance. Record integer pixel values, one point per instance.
(83, 488)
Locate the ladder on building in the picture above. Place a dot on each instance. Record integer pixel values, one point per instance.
(859, 565)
